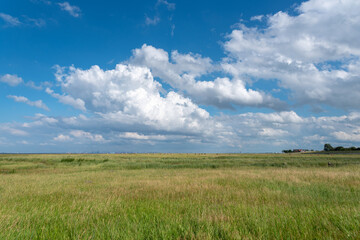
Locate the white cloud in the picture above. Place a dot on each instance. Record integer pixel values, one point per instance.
(13, 130)
(257, 18)
(270, 132)
(12, 21)
(353, 136)
(129, 94)
(38, 103)
(158, 61)
(87, 135)
(152, 21)
(41, 120)
(62, 138)
(76, 103)
(137, 136)
(313, 54)
(25, 21)
(12, 80)
(190, 63)
(71, 9)
(34, 86)
(182, 72)
(280, 117)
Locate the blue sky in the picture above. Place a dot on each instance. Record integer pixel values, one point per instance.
(178, 76)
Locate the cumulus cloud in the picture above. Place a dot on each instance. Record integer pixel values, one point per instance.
(10, 20)
(12, 80)
(158, 61)
(313, 53)
(129, 94)
(184, 69)
(279, 117)
(270, 132)
(62, 138)
(71, 9)
(38, 103)
(80, 134)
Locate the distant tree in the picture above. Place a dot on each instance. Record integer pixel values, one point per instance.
(328, 147)
(340, 148)
(353, 148)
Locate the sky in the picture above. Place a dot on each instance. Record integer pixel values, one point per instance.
(178, 76)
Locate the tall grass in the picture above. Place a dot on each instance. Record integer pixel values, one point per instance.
(180, 196)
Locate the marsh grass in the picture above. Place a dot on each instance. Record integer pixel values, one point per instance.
(179, 196)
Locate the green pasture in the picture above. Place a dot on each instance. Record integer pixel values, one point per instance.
(179, 196)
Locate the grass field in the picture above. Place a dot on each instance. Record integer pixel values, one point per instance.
(180, 196)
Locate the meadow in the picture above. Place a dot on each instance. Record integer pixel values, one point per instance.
(179, 196)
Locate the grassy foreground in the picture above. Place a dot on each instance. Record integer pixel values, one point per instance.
(180, 196)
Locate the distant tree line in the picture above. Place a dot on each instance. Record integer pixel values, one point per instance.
(328, 147)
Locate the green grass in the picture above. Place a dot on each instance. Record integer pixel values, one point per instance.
(180, 196)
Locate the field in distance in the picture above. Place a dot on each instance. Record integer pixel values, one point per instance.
(179, 196)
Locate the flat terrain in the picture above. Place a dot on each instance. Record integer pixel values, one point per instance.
(180, 196)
